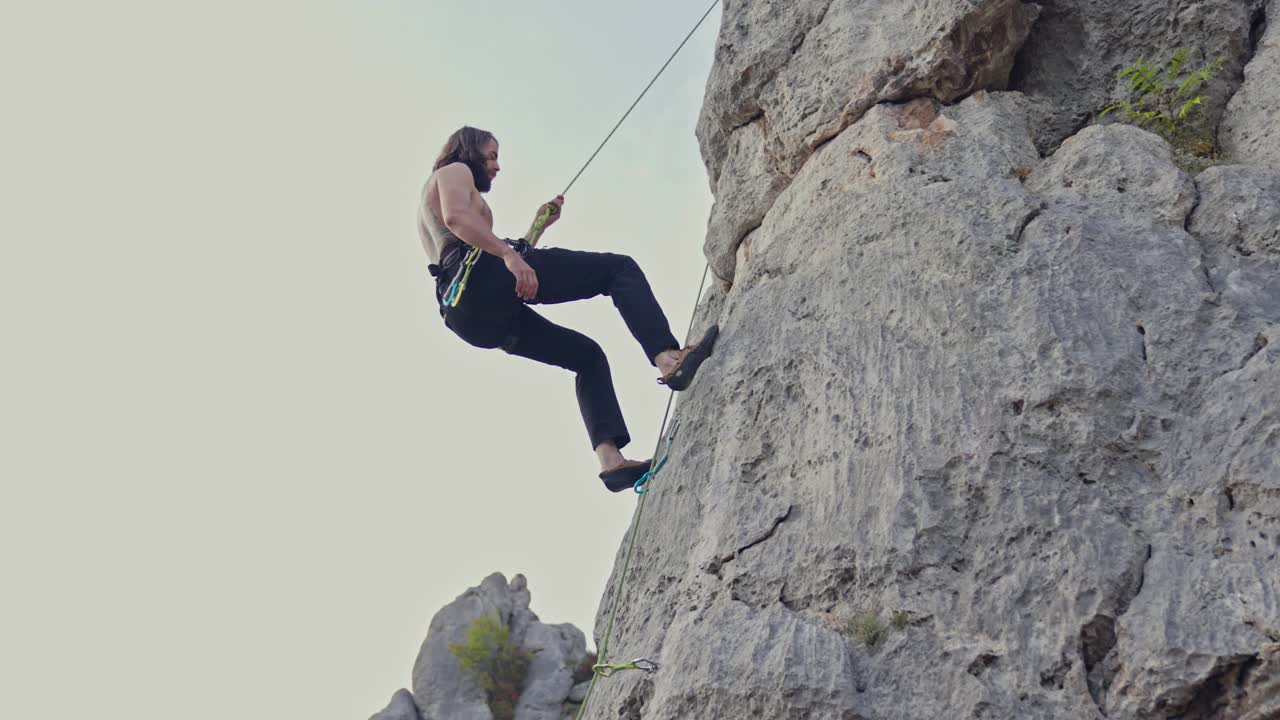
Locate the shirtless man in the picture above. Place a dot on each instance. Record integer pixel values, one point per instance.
(492, 313)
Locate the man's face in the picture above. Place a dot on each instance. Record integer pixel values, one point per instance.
(485, 174)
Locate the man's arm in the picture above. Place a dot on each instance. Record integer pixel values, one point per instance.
(456, 185)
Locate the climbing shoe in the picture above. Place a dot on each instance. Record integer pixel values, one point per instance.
(625, 475)
(681, 376)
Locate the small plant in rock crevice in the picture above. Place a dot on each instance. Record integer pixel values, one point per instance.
(899, 619)
(1166, 99)
(1163, 96)
(866, 630)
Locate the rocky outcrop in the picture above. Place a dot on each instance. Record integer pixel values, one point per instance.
(442, 690)
(1250, 130)
(401, 707)
(1070, 61)
(1016, 415)
(790, 76)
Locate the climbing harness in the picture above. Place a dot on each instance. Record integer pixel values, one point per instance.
(459, 284)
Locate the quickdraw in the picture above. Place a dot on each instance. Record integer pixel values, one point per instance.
(605, 669)
(642, 485)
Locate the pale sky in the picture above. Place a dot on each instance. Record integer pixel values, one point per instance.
(243, 461)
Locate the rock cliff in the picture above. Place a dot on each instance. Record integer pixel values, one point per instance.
(993, 428)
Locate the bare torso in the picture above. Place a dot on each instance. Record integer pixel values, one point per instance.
(475, 201)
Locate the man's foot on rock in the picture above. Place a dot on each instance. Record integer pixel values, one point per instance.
(621, 477)
(691, 358)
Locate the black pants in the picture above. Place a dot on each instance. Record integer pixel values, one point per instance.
(490, 315)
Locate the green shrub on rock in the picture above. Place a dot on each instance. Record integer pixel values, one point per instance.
(495, 663)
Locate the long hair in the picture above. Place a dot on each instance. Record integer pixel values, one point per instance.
(464, 146)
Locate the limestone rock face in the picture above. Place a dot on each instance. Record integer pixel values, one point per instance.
(1077, 47)
(443, 691)
(1239, 211)
(791, 75)
(1123, 169)
(986, 434)
(1250, 131)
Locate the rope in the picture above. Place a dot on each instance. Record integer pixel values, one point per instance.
(631, 546)
(603, 668)
(459, 285)
(642, 93)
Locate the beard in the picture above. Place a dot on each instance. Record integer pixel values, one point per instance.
(481, 176)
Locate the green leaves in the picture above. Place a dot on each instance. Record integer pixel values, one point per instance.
(1176, 62)
(1188, 105)
(494, 662)
(1157, 92)
(1142, 77)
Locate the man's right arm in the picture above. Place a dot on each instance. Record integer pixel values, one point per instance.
(460, 216)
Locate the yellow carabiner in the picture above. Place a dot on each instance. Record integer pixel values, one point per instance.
(540, 224)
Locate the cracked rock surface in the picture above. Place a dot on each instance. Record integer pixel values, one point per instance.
(1250, 131)
(791, 75)
(987, 434)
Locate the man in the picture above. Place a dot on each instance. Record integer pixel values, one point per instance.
(492, 313)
